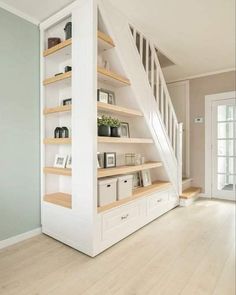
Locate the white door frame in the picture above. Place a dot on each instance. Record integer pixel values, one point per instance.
(208, 136)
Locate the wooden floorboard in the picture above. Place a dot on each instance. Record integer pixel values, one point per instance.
(187, 251)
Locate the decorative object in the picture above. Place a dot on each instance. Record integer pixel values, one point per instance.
(104, 124)
(58, 132)
(107, 192)
(69, 162)
(68, 69)
(115, 127)
(68, 30)
(146, 177)
(124, 129)
(60, 161)
(53, 41)
(132, 159)
(109, 160)
(65, 132)
(67, 101)
(58, 74)
(124, 186)
(106, 96)
(137, 180)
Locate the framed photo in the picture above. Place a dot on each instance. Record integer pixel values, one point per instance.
(124, 129)
(137, 180)
(69, 162)
(99, 160)
(146, 177)
(67, 101)
(106, 96)
(60, 161)
(109, 160)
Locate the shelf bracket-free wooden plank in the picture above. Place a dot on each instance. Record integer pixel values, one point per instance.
(60, 199)
(57, 141)
(59, 109)
(57, 47)
(57, 171)
(57, 78)
(115, 109)
(137, 193)
(112, 78)
(124, 140)
(105, 172)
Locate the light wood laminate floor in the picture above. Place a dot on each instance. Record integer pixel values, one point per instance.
(187, 251)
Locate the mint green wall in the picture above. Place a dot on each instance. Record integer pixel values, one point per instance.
(19, 126)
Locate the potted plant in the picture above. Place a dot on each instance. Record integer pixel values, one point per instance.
(104, 126)
(115, 127)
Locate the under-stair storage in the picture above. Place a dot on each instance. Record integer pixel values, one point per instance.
(95, 134)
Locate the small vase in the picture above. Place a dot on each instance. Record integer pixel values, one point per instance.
(115, 131)
(104, 131)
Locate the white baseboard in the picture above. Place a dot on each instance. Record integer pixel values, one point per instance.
(202, 195)
(20, 238)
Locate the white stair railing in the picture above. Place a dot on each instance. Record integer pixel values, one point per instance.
(149, 59)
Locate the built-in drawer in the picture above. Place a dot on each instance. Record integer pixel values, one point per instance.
(122, 221)
(157, 204)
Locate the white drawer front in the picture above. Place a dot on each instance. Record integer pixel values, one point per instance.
(121, 221)
(157, 204)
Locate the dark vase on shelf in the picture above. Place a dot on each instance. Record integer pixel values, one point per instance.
(104, 130)
(68, 30)
(115, 132)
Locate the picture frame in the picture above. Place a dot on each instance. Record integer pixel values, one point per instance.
(137, 180)
(106, 96)
(60, 161)
(109, 160)
(69, 162)
(67, 101)
(99, 160)
(146, 177)
(124, 129)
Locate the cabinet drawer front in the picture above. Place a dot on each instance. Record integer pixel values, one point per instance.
(157, 200)
(121, 220)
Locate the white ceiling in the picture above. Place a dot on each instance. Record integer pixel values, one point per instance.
(197, 35)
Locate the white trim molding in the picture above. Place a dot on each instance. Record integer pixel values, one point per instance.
(208, 136)
(202, 75)
(19, 238)
(19, 13)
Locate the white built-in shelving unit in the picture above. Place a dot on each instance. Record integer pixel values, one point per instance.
(69, 196)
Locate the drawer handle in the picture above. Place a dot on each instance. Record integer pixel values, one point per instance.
(159, 200)
(124, 216)
(108, 185)
(125, 181)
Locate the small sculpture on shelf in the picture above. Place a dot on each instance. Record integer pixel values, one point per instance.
(61, 132)
(68, 30)
(53, 41)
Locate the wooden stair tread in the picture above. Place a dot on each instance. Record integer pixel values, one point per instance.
(190, 192)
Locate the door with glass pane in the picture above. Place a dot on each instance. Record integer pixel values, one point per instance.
(224, 149)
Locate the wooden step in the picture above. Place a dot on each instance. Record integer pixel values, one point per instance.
(137, 193)
(124, 140)
(60, 199)
(119, 170)
(190, 192)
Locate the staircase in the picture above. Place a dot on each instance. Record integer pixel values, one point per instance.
(189, 193)
(139, 60)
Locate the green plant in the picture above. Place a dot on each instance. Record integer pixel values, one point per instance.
(115, 122)
(104, 121)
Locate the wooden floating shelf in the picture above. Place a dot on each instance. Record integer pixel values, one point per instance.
(57, 141)
(112, 78)
(104, 43)
(59, 199)
(137, 193)
(59, 109)
(57, 78)
(103, 139)
(118, 110)
(57, 171)
(57, 47)
(105, 172)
